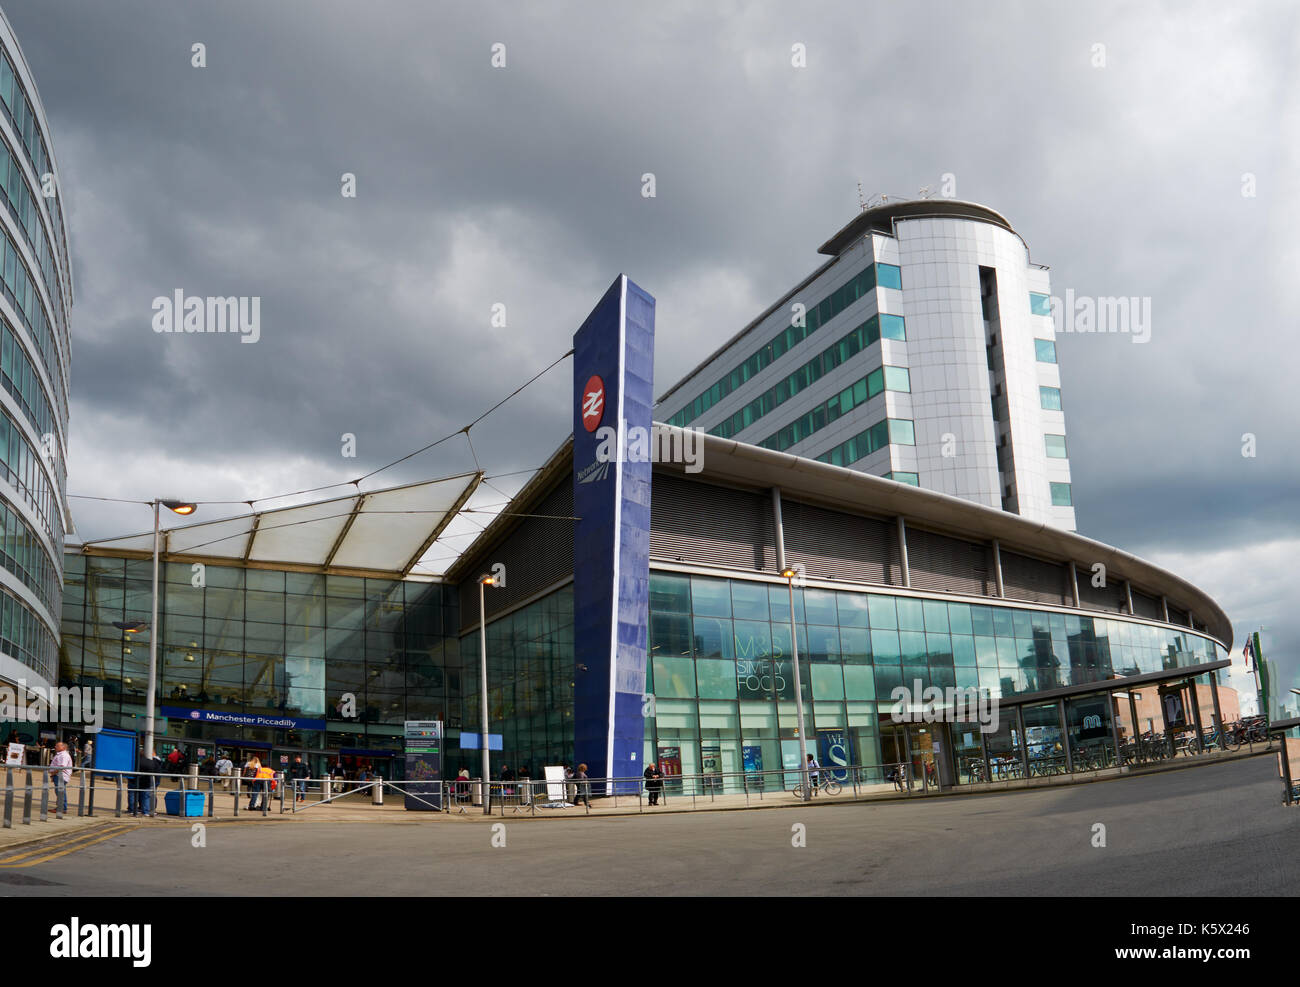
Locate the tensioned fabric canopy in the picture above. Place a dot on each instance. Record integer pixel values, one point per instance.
(371, 532)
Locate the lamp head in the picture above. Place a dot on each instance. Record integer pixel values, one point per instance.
(180, 506)
(788, 573)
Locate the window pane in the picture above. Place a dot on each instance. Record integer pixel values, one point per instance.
(1040, 304)
(1050, 398)
(1061, 495)
(1045, 350)
(1056, 446)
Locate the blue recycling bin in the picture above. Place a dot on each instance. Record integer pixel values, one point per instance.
(191, 806)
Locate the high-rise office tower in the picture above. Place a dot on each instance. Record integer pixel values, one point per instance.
(923, 351)
(35, 297)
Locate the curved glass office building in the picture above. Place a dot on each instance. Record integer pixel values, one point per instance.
(34, 369)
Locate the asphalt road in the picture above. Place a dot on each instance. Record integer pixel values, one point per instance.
(1214, 830)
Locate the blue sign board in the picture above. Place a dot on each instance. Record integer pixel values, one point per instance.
(835, 753)
(613, 382)
(115, 750)
(471, 742)
(240, 719)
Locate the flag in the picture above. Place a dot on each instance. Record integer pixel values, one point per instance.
(1249, 652)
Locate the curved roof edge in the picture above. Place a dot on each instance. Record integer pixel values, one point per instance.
(881, 219)
(835, 486)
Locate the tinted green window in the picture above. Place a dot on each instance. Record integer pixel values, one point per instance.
(963, 650)
(1045, 350)
(875, 382)
(1040, 304)
(674, 677)
(897, 379)
(859, 682)
(852, 609)
(901, 432)
(713, 638)
(1055, 446)
(717, 679)
(855, 645)
(910, 615)
(1050, 398)
(819, 606)
(749, 600)
(1061, 495)
(670, 593)
(712, 597)
(889, 276)
(891, 327)
(884, 647)
(912, 479)
(883, 613)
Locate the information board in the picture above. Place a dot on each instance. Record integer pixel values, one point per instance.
(423, 791)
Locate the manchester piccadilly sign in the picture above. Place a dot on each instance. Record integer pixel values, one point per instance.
(240, 719)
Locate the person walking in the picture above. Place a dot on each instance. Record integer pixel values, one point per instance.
(299, 773)
(583, 785)
(62, 763)
(225, 768)
(140, 798)
(252, 771)
(654, 783)
(570, 789)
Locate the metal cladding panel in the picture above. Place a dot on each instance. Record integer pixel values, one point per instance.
(1147, 606)
(613, 371)
(711, 525)
(1110, 596)
(834, 545)
(948, 565)
(1024, 578)
(536, 554)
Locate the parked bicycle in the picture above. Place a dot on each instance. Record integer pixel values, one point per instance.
(825, 783)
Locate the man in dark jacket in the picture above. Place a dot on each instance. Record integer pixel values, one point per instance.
(140, 797)
(299, 773)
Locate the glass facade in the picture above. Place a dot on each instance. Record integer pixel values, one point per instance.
(269, 643)
(1040, 304)
(1050, 398)
(1045, 350)
(720, 668)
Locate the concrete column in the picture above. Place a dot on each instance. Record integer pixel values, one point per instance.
(1214, 694)
(1164, 609)
(1164, 718)
(997, 567)
(902, 552)
(1024, 748)
(1196, 713)
(1065, 736)
(1112, 706)
(1133, 714)
(988, 767)
(779, 528)
(1074, 585)
(1128, 595)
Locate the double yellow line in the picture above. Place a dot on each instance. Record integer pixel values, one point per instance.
(48, 851)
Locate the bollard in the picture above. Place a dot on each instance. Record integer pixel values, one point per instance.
(377, 793)
(212, 798)
(9, 798)
(27, 800)
(81, 793)
(45, 797)
(118, 779)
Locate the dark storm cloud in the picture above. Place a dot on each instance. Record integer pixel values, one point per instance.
(522, 186)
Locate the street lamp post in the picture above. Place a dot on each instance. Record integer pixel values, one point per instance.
(483, 583)
(789, 575)
(183, 508)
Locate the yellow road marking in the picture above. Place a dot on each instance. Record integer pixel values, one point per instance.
(70, 846)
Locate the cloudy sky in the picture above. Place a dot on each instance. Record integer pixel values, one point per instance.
(1141, 151)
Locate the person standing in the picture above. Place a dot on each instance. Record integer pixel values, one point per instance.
(654, 783)
(251, 772)
(570, 789)
(299, 773)
(62, 763)
(583, 785)
(813, 767)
